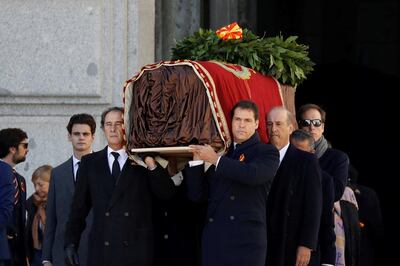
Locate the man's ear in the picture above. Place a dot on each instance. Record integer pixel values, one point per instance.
(291, 128)
(69, 137)
(12, 150)
(257, 123)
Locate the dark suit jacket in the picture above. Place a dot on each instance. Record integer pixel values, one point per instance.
(235, 230)
(6, 206)
(372, 246)
(178, 224)
(294, 207)
(336, 163)
(59, 200)
(17, 226)
(326, 251)
(122, 232)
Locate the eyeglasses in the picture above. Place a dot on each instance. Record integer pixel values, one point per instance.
(309, 122)
(24, 144)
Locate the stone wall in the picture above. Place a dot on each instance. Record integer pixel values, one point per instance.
(58, 58)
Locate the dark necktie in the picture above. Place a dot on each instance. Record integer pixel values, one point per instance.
(16, 188)
(77, 168)
(115, 167)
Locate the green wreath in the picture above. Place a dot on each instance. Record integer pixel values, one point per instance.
(284, 59)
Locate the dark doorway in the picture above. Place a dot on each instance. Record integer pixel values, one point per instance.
(355, 45)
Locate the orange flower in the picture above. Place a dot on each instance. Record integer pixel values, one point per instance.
(232, 31)
(241, 157)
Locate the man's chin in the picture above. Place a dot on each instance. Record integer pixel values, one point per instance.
(20, 160)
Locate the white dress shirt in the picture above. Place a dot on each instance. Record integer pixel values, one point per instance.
(282, 153)
(123, 156)
(75, 165)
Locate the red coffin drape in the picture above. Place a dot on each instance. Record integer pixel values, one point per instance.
(234, 83)
(223, 84)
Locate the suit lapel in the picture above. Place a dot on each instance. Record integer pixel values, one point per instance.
(224, 186)
(68, 175)
(104, 177)
(123, 182)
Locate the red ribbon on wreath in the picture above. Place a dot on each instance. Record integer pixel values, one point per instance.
(232, 31)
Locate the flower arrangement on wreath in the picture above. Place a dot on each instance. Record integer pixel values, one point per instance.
(283, 59)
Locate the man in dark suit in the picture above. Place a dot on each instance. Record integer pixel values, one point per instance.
(81, 129)
(6, 206)
(236, 189)
(14, 146)
(294, 202)
(334, 162)
(372, 244)
(326, 251)
(120, 194)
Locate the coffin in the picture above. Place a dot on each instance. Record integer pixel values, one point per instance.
(172, 104)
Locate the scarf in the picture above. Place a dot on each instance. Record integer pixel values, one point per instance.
(321, 146)
(38, 219)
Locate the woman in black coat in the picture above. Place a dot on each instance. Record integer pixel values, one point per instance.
(36, 209)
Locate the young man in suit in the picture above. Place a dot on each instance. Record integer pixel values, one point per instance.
(119, 192)
(294, 202)
(235, 187)
(81, 129)
(14, 147)
(6, 207)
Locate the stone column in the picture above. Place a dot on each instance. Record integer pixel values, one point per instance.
(175, 20)
(223, 12)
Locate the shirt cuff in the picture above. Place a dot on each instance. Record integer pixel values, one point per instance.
(151, 169)
(216, 164)
(177, 179)
(195, 163)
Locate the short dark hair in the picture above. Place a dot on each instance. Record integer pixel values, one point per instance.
(248, 105)
(85, 119)
(111, 109)
(10, 137)
(302, 135)
(308, 106)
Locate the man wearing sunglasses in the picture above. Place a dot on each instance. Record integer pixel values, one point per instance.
(6, 208)
(332, 161)
(13, 150)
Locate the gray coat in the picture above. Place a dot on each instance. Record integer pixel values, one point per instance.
(61, 191)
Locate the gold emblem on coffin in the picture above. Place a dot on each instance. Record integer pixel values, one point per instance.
(237, 70)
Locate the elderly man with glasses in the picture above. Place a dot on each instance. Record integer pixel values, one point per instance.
(334, 162)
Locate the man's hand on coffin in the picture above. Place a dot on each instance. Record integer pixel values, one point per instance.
(205, 153)
(148, 159)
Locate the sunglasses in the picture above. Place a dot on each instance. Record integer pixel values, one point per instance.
(24, 144)
(309, 122)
